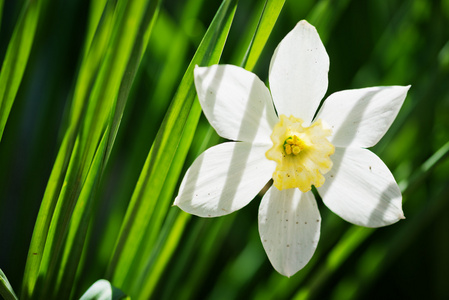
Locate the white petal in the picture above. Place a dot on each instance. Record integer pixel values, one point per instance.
(289, 227)
(361, 117)
(224, 179)
(360, 189)
(298, 73)
(236, 102)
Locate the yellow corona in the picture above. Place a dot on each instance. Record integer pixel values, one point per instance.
(302, 153)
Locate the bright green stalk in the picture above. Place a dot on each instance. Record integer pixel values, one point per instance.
(268, 18)
(160, 158)
(79, 225)
(168, 241)
(96, 13)
(6, 290)
(1, 10)
(16, 57)
(98, 105)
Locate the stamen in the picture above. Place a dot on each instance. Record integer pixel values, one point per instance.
(293, 144)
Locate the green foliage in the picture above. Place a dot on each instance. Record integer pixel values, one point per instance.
(6, 290)
(99, 121)
(16, 58)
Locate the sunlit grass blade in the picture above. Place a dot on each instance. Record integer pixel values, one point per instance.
(16, 57)
(268, 18)
(170, 56)
(79, 224)
(325, 14)
(154, 265)
(96, 13)
(99, 100)
(6, 290)
(1, 10)
(199, 262)
(160, 158)
(88, 70)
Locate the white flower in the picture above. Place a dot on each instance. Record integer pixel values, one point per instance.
(294, 148)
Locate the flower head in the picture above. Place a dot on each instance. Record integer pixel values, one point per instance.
(294, 148)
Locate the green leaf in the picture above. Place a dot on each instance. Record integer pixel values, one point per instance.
(268, 18)
(103, 290)
(6, 290)
(106, 74)
(16, 58)
(160, 158)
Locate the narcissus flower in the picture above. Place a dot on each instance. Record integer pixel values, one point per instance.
(281, 136)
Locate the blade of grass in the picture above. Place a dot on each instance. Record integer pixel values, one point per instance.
(16, 58)
(163, 150)
(112, 86)
(6, 290)
(79, 224)
(88, 71)
(268, 18)
(117, 51)
(168, 240)
(1, 11)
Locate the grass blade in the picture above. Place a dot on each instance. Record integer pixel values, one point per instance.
(16, 58)
(103, 85)
(6, 290)
(160, 158)
(270, 14)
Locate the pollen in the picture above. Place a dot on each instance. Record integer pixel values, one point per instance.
(293, 145)
(302, 153)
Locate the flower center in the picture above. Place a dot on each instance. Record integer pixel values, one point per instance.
(293, 145)
(302, 153)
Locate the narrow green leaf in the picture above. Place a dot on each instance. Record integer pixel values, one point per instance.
(16, 58)
(161, 155)
(44, 218)
(6, 290)
(270, 14)
(103, 85)
(168, 241)
(1, 10)
(96, 13)
(79, 225)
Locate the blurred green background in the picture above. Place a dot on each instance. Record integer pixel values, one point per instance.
(370, 43)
